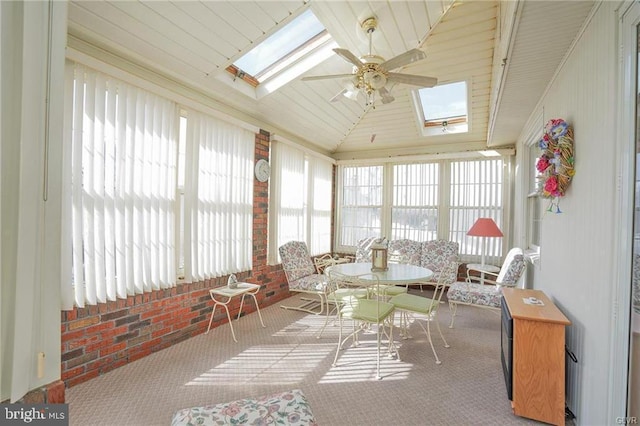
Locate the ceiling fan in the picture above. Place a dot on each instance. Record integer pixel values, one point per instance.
(371, 73)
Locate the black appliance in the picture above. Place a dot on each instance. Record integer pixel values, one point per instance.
(506, 344)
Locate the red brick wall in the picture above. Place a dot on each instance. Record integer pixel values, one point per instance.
(97, 339)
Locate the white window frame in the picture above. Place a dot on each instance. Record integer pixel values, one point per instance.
(456, 126)
(338, 246)
(180, 236)
(308, 54)
(485, 206)
(218, 198)
(444, 231)
(534, 208)
(414, 199)
(307, 215)
(122, 193)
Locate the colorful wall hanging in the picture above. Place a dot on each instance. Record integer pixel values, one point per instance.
(556, 164)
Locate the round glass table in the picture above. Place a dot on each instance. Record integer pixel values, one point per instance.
(396, 274)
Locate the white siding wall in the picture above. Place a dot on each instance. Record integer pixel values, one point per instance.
(576, 266)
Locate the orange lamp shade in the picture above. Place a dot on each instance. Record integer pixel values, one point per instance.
(485, 227)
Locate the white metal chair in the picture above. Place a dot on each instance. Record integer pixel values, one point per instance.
(303, 278)
(488, 295)
(412, 306)
(337, 294)
(363, 312)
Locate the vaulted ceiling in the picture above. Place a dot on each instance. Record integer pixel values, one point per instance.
(507, 52)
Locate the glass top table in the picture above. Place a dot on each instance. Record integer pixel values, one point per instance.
(396, 274)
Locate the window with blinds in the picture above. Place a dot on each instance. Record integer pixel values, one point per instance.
(155, 195)
(299, 201)
(534, 203)
(423, 201)
(414, 212)
(123, 151)
(476, 190)
(361, 203)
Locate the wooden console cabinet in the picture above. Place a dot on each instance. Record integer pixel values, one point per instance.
(538, 370)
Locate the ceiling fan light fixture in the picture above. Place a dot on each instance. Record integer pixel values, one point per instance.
(351, 94)
(375, 79)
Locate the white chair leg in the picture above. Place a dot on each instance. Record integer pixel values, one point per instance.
(392, 349)
(406, 334)
(428, 331)
(453, 308)
(335, 359)
(326, 320)
(309, 305)
(446, 345)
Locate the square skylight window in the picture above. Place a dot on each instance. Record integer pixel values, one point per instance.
(284, 48)
(445, 106)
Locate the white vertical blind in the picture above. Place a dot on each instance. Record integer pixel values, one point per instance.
(218, 197)
(414, 213)
(361, 203)
(300, 202)
(124, 149)
(287, 197)
(438, 199)
(476, 189)
(320, 179)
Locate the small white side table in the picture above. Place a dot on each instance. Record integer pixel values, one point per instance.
(229, 293)
(482, 269)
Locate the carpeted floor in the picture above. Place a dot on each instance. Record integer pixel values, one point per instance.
(466, 389)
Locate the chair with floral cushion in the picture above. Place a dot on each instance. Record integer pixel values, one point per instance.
(405, 251)
(437, 255)
(488, 295)
(303, 277)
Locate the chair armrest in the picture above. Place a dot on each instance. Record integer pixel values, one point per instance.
(322, 262)
(489, 276)
(474, 279)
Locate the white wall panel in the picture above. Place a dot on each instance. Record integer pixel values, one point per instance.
(576, 268)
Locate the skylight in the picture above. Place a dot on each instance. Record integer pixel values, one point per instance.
(284, 48)
(445, 107)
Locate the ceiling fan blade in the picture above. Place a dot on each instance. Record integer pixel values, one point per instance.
(386, 97)
(326, 77)
(349, 93)
(415, 80)
(348, 56)
(338, 96)
(403, 59)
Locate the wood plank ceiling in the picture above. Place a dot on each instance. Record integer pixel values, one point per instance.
(191, 43)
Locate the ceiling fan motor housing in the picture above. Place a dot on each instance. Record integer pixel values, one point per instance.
(370, 76)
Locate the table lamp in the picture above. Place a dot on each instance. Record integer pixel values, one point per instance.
(484, 227)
